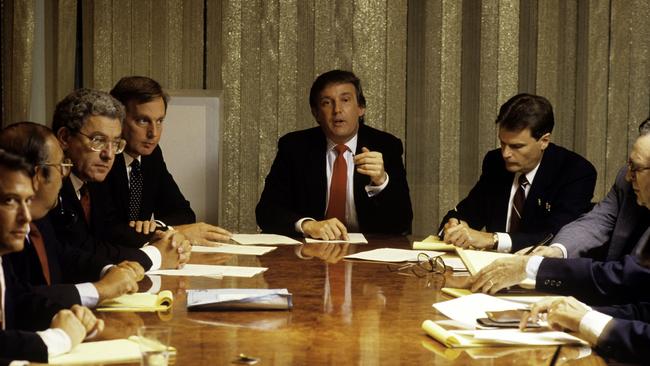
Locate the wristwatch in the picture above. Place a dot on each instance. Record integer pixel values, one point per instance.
(495, 241)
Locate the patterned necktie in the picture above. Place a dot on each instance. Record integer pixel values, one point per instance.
(36, 239)
(84, 199)
(135, 190)
(518, 204)
(338, 186)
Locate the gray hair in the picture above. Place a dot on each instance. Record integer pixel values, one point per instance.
(82, 103)
(644, 127)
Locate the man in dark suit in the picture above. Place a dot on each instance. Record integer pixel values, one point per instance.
(528, 189)
(341, 176)
(23, 312)
(46, 263)
(88, 125)
(143, 190)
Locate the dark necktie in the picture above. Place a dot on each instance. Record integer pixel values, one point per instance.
(135, 190)
(84, 198)
(36, 239)
(338, 186)
(518, 204)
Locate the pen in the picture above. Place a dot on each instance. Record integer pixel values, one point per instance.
(442, 230)
(556, 355)
(546, 240)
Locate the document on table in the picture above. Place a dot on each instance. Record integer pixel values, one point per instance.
(233, 249)
(466, 309)
(433, 243)
(210, 270)
(100, 352)
(141, 301)
(454, 262)
(475, 260)
(391, 255)
(522, 299)
(355, 238)
(239, 299)
(264, 239)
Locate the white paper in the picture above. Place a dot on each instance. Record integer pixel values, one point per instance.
(517, 337)
(198, 297)
(455, 263)
(211, 271)
(466, 309)
(355, 238)
(391, 255)
(264, 239)
(233, 249)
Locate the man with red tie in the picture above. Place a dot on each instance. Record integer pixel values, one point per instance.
(340, 177)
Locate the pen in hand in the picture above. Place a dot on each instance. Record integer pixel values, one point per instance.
(545, 241)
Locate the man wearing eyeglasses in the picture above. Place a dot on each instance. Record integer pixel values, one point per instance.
(88, 125)
(615, 227)
(46, 263)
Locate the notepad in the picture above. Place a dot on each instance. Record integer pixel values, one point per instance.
(467, 309)
(355, 238)
(210, 270)
(264, 239)
(433, 243)
(233, 249)
(475, 260)
(497, 337)
(391, 255)
(113, 351)
(142, 301)
(239, 299)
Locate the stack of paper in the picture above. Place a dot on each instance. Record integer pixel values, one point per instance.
(522, 299)
(475, 260)
(239, 299)
(391, 255)
(142, 301)
(433, 243)
(264, 239)
(210, 270)
(233, 249)
(354, 238)
(113, 351)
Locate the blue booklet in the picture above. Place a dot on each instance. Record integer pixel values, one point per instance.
(239, 299)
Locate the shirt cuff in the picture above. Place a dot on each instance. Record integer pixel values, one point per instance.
(593, 324)
(561, 247)
(532, 266)
(56, 340)
(19, 363)
(298, 224)
(154, 254)
(375, 190)
(505, 243)
(105, 269)
(88, 294)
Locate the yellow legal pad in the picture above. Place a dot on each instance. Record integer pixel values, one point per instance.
(475, 260)
(141, 301)
(103, 352)
(432, 242)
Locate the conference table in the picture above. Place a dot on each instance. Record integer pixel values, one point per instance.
(343, 313)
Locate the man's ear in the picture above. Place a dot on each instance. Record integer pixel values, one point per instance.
(63, 135)
(36, 179)
(545, 140)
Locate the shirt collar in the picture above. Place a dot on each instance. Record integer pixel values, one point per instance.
(351, 144)
(76, 182)
(128, 159)
(530, 176)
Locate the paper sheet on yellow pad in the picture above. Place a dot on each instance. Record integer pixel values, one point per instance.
(475, 260)
(142, 301)
(522, 299)
(113, 351)
(432, 242)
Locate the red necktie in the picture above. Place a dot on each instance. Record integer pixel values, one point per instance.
(85, 202)
(36, 239)
(518, 204)
(338, 186)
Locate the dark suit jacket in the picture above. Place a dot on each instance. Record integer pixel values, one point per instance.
(160, 197)
(614, 227)
(561, 191)
(21, 345)
(627, 336)
(71, 227)
(296, 186)
(593, 282)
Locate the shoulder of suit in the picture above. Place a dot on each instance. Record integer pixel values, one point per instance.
(302, 136)
(560, 156)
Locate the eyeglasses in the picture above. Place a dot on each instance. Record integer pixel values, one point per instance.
(99, 143)
(425, 266)
(64, 167)
(634, 170)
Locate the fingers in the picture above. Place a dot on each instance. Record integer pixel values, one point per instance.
(138, 226)
(132, 223)
(148, 227)
(85, 316)
(331, 229)
(135, 268)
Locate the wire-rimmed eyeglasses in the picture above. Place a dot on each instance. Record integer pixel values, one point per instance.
(425, 266)
(64, 167)
(99, 143)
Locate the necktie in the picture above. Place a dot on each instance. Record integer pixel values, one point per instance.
(36, 239)
(338, 186)
(135, 190)
(518, 204)
(84, 198)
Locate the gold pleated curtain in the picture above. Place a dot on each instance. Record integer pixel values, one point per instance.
(434, 74)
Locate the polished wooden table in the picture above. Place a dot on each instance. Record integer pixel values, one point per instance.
(344, 313)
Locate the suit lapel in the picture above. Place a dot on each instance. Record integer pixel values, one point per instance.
(543, 179)
(317, 153)
(147, 203)
(121, 187)
(360, 180)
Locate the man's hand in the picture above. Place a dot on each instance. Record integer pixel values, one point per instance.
(91, 324)
(330, 229)
(371, 163)
(76, 323)
(563, 313)
(461, 235)
(502, 273)
(329, 252)
(174, 249)
(201, 233)
(544, 251)
(119, 280)
(144, 227)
